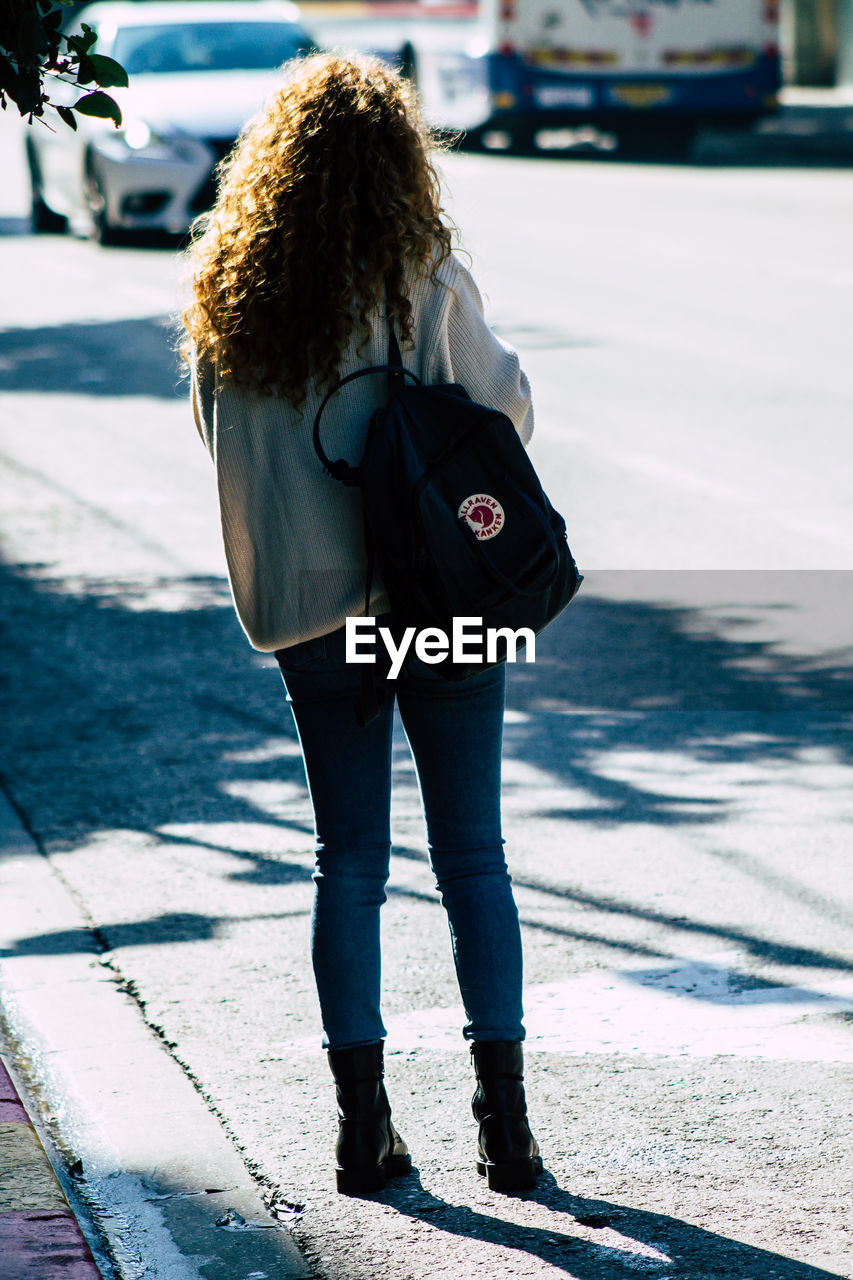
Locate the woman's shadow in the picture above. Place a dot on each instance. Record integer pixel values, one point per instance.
(631, 1241)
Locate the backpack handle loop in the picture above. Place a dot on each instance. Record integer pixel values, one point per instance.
(341, 469)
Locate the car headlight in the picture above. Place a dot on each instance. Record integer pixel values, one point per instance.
(137, 138)
(137, 135)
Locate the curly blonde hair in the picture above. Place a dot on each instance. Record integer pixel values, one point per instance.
(328, 195)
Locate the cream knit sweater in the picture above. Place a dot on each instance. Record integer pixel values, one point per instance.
(293, 536)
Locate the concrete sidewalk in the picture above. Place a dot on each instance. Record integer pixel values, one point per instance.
(158, 1175)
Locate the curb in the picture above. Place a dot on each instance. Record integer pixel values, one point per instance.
(40, 1238)
(161, 1178)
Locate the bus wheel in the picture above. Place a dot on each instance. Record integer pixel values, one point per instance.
(490, 140)
(662, 140)
(472, 140)
(524, 140)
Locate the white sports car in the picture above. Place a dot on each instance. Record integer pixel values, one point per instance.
(198, 70)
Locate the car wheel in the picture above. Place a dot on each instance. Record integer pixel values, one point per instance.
(43, 219)
(100, 227)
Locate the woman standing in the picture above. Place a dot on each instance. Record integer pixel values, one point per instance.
(327, 229)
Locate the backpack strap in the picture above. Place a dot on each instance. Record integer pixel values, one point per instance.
(396, 381)
(397, 374)
(374, 683)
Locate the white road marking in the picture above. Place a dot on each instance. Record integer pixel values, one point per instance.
(672, 1008)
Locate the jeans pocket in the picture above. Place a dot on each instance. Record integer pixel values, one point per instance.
(302, 656)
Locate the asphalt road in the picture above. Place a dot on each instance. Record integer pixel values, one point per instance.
(678, 761)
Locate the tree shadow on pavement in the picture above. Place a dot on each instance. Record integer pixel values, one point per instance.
(139, 708)
(12, 226)
(628, 1241)
(802, 138)
(169, 928)
(127, 714)
(50, 359)
(631, 675)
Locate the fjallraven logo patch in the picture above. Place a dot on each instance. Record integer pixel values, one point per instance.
(484, 514)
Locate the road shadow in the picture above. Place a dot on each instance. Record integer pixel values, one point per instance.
(168, 928)
(713, 681)
(627, 1241)
(120, 238)
(124, 714)
(48, 359)
(138, 238)
(798, 138)
(795, 139)
(11, 226)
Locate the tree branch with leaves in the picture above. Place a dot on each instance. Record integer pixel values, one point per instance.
(35, 54)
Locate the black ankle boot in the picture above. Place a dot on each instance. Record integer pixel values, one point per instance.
(507, 1152)
(369, 1149)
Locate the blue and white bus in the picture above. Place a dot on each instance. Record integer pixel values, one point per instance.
(649, 71)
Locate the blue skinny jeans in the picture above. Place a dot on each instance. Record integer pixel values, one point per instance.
(454, 732)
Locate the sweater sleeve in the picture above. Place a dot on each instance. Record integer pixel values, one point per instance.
(487, 367)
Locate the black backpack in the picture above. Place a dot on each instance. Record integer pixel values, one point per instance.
(455, 517)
